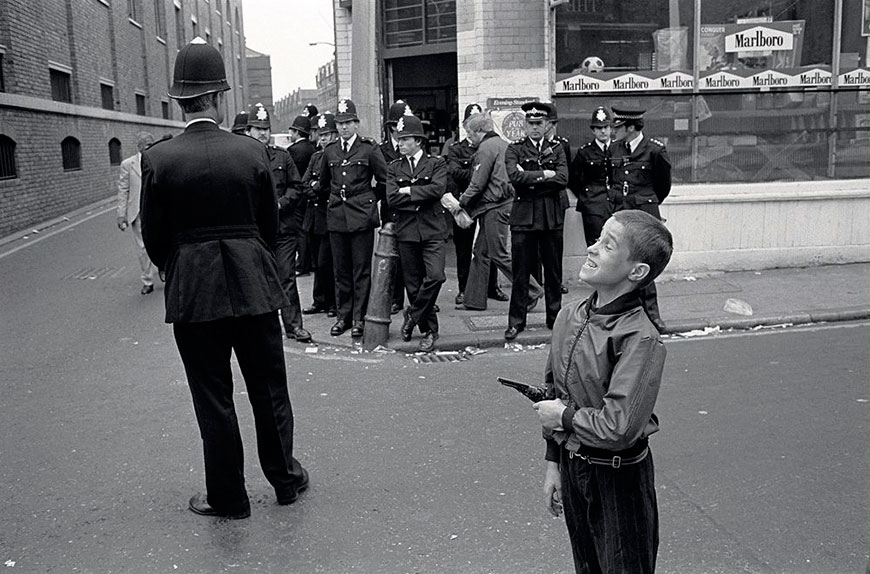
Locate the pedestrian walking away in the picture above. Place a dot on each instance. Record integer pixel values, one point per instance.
(641, 180)
(538, 169)
(210, 221)
(288, 188)
(348, 168)
(602, 379)
(129, 195)
(415, 183)
(591, 174)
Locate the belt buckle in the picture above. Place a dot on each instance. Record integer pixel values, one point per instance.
(616, 462)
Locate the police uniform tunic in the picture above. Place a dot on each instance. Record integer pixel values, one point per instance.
(536, 221)
(323, 291)
(641, 179)
(301, 151)
(421, 232)
(590, 180)
(391, 153)
(351, 217)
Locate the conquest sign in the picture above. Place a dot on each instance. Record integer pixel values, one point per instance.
(759, 39)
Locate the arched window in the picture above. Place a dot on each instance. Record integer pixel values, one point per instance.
(7, 158)
(114, 151)
(71, 150)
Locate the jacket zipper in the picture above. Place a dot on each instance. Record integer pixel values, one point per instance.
(574, 348)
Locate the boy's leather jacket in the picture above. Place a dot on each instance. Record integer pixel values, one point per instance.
(606, 365)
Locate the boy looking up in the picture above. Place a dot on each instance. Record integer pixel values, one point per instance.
(603, 372)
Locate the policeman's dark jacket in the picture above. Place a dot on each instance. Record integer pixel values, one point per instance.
(389, 151)
(210, 221)
(591, 177)
(317, 197)
(301, 151)
(353, 200)
(537, 201)
(460, 157)
(288, 187)
(641, 180)
(566, 145)
(420, 215)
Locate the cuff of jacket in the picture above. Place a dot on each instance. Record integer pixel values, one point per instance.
(568, 418)
(553, 451)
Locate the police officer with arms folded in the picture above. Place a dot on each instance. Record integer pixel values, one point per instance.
(288, 186)
(415, 183)
(323, 291)
(591, 176)
(347, 169)
(538, 169)
(210, 221)
(301, 149)
(641, 180)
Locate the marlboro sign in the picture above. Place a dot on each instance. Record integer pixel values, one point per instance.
(759, 38)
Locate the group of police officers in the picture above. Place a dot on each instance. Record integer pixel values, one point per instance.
(223, 217)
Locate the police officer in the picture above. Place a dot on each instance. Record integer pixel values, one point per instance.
(459, 167)
(563, 196)
(590, 176)
(415, 183)
(301, 149)
(641, 180)
(348, 167)
(310, 111)
(288, 186)
(390, 150)
(538, 169)
(210, 221)
(240, 123)
(314, 225)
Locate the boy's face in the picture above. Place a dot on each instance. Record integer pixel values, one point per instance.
(607, 263)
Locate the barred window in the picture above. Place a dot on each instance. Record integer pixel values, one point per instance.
(7, 158)
(71, 150)
(60, 86)
(107, 93)
(114, 151)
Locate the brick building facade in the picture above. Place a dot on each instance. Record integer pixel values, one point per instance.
(291, 106)
(79, 79)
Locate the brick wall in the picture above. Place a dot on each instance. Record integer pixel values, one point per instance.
(343, 49)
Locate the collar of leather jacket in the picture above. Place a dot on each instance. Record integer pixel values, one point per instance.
(619, 305)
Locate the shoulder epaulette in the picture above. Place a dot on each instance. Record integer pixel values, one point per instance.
(657, 142)
(586, 145)
(398, 159)
(367, 140)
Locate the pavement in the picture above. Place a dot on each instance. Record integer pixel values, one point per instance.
(691, 305)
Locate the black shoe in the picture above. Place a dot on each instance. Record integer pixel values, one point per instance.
(395, 308)
(199, 505)
(357, 330)
(460, 299)
(466, 307)
(499, 295)
(147, 289)
(331, 313)
(407, 330)
(511, 333)
(660, 326)
(300, 335)
(290, 498)
(313, 310)
(427, 343)
(563, 289)
(436, 308)
(339, 328)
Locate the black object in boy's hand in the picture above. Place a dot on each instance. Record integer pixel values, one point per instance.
(533, 393)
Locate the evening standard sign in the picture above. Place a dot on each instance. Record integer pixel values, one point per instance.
(640, 81)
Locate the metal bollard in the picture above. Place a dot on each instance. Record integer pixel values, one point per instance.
(377, 329)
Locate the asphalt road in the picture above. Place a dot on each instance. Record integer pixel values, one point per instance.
(761, 463)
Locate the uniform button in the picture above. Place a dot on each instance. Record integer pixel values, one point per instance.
(626, 172)
(344, 173)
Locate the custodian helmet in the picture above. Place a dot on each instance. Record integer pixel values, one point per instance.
(199, 70)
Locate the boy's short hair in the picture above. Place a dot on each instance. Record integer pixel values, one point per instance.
(649, 241)
(478, 123)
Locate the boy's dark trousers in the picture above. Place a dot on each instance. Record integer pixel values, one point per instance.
(611, 514)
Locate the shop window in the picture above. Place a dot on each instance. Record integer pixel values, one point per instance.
(7, 158)
(417, 22)
(115, 151)
(440, 21)
(60, 86)
(71, 150)
(140, 105)
(107, 94)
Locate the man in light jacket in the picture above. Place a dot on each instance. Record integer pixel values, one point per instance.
(129, 188)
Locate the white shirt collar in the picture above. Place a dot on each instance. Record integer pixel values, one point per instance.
(349, 141)
(635, 142)
(395, 142)
(601, 145)
(417, 157)
(197, 120)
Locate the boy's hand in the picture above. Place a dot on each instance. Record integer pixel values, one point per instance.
(553, 488)
(550, 413)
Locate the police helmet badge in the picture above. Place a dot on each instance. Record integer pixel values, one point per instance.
(400, 125)
(342, 106)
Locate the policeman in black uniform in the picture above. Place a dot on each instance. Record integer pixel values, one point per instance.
(460, 167)
(591, 176)
(323, 291)
(563, 196)
(390, 150)
(210, 222)
(301, 149)
(415, 183)
(310, 110)
(538, 169)
(348, 167)
(240, 123)
(641, 180)
(288, 187)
